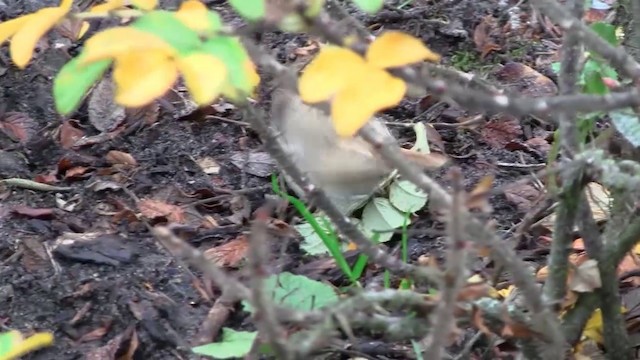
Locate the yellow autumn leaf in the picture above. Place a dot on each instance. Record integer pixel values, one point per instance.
(23, 346)
(140, 77)
(117, 41)
(636, 249)
(395, 48)
(373, 91)
(194, 14)
(109, 5)
(230, 92)
(66, 4)
(145, 4)
(9, 28)
(26, 38)
(332, 70)
(504, 293)
(204, 75)
(83, 29)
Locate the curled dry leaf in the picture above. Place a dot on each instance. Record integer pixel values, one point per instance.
(522, 195)
(586, 278)
(483, 36)
(429, 161)
(18, 126)
(524, 80)
(229, 254)
(501, 130)
(154, 209)
(104, 114)
(69, 134)
(115, 157)
(258, 163)
(598, 198)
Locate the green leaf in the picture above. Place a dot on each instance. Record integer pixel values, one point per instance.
(73, 81)
(234, 344)
(369, 6)
(380, 215)
(251, 10)
(407, 197)
(593, 84)
(628, 124)
(297, 292)
(606, 31)
(8, 340)
(233, 54)
(169, 28)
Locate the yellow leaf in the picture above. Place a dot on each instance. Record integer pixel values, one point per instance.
(83, 29)
(194, 14)
(229, 91)
(204, 75)
(636, 249)
(9, 28)
(117, 41)
(143, 76)
(24, 346)
(332, 70)
(26, 38)
(110, 5)
(504, 293)
(145, 4)
(66, 4)
(395, 48)
(373, 91)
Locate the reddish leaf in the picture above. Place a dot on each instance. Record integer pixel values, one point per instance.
(501, 130)
(482, 36)
(116, 157)
(38, 213)
(77, 172)
(526, 81)
(154, 209)
(18, 126)
(48, 178)
(229, 254)
(69, 134)
(522, 195)
(96, 333)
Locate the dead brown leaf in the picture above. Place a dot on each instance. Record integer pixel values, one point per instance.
(18, 126)
(69, 134)
(501, 130)
(429, 161)
(154, 209)
(148, 115)
(97, 333)
(78, 172)
(522, 195)
(526, 81)
(104, 114)
(36, 213)
(229, 254)
(482, 36)
(115, 157)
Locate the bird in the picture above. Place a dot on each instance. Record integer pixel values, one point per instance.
(347, 169)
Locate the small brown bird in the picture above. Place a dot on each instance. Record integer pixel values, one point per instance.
(345, 168)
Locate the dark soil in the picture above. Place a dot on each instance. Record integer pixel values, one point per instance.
(93, 292)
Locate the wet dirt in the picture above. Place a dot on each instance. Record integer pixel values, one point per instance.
(89, 300)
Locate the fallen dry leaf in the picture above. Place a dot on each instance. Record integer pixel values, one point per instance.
(104, 114)
(522, 195)
(586, 278)
(37, 213)
(483, 36)
(501, 130)
(115, 157)
(78, 172)
(154, 209)
(524, 80)
(18, 126)
(229, 254)
(69, 134)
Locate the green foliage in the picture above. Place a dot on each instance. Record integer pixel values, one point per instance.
(312, 231)
(369, 6)
(169, 28)
(252, 10)
(297, 292)
(406, 196)
(233, 54)
(380, 216)
(73, 81)
(234, 344)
